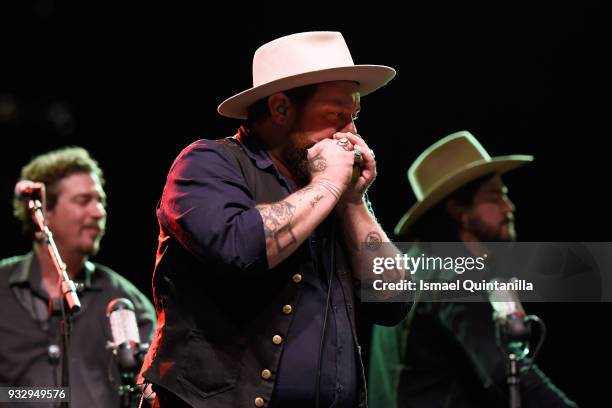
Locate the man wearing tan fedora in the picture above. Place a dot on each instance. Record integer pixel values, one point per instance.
(445, 354)
(260, 244)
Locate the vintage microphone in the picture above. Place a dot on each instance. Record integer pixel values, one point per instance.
(126, 346)
(509, 316)
(513, 333)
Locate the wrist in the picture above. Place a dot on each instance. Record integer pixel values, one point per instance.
(353, 207)
(326, 185)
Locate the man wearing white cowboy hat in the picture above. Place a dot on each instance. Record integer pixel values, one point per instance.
(261, 241)
(445, 354)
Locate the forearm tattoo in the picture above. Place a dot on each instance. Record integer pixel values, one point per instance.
(277, 223)
(315, 200)
(373, 241)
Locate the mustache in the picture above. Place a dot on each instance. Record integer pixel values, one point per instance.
(94, 226)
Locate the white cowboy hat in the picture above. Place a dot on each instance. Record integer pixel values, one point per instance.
(447, 165)
(303, 59)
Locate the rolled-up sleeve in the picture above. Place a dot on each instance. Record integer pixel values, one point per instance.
(208, 208)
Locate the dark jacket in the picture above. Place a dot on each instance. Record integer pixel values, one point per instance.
(220, 309)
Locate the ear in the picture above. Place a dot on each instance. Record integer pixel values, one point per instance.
(280, 108)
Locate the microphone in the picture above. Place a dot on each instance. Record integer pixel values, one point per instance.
(29, 190)
(509, 314)
(127, 348)
(124, 329)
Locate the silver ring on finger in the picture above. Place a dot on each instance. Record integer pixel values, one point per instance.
(344, 143)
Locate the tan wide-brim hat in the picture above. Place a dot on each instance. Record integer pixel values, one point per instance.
(303, 59)
(446, 166)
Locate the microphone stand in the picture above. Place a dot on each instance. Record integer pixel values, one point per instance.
(70, 300)
(130, 357)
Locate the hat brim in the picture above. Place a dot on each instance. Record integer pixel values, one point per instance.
(454, 181)
(369, 77)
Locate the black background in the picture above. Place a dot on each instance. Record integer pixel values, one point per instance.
(134, 83)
